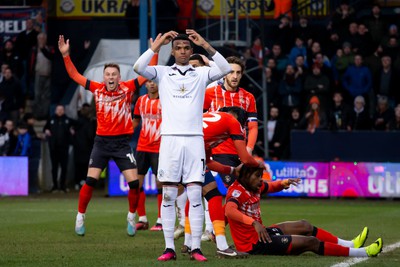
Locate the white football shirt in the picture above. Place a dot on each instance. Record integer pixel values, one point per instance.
(181, 90)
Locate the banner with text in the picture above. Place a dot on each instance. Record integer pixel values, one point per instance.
(314, 176)
(371, 180)
(117, 185)
(13, 20)
(90, 8)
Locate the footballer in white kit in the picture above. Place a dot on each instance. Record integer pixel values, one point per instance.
(182, 156)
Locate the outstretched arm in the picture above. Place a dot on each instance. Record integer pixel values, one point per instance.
(73, 73)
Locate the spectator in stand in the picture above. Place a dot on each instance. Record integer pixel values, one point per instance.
(13, 136)
(284, 34)
(40, 61)
(271, 63)
(4, 140)
(352, 37)
(313, 49)
(281, 59)
(295, 121)
(253, 70)
(34, 155)
(290, 89)
(357, 79)
(383, 115)
(82, 141)
(317, 84)
(339, 118)
(363, 42)
(315, 117)
(386, 81)
(392, 49)
(10, 89)
(256, 50)
(58, 130)
(304, 31)
(392, 32)
(343, 16)
(374, 62)
(376, 24)
(24, 142)
(394, 124)
(342, 60)
(332, 44)
(277, 134)
(4, 66)
(24, 43)
(324, 63)
(272, 88)
(298, 50)
(359, 116)
(10, 57)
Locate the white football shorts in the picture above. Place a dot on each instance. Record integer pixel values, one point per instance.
(181, 159)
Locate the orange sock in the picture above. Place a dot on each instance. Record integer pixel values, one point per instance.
(187, 223)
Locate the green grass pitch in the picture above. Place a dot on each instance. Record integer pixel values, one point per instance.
(39, 231)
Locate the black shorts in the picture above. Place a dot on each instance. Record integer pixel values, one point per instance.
(230, 160)
(146, 160)
(112, 147)
(279, 245)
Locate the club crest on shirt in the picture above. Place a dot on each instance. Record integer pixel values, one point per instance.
(284, 240)
(236, 193)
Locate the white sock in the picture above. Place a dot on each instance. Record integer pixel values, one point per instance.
(168, 215)
(222, 244)
(180, 204)
(188, 240)
(345, 243)
(143, 218)
(80, 216)
(196, 213)
(131, 216)
(209, 225)
(159, 220)
(357, 252)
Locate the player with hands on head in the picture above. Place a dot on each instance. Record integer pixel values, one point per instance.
(113, 99)
(287, 238)
(182, 155)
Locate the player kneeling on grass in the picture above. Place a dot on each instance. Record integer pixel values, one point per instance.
(288, 238)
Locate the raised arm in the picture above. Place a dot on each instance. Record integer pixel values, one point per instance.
(73, 73)
(142, 64)
(221, 67)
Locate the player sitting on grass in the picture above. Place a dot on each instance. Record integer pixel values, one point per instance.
(288, 238)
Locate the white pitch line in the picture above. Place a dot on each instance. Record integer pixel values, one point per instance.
(353, 261)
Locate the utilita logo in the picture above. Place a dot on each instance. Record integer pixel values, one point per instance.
(310, 172)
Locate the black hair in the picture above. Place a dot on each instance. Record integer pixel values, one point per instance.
(22, 125)
(184, 37)
(197, 57)
(240, 113)
(244, 173)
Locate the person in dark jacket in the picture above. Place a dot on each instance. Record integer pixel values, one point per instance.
(82, 141)
(359, 116)
(58, 131)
